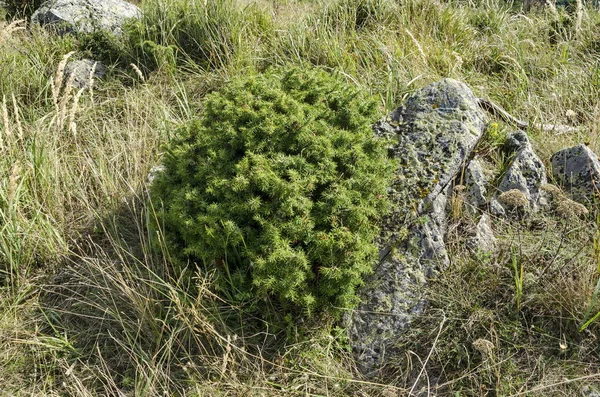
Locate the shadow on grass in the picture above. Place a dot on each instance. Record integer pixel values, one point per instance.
(138, 322)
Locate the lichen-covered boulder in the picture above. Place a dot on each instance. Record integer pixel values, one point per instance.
(577, 169)
(85, 16)
(81, 72)
(434, 132)
(526, 174)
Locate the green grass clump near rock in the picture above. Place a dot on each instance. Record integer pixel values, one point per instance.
(279, 186)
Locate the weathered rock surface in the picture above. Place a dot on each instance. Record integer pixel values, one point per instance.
(85, 16)
(475, 182)
(526, 174)
(154, 172)
(484, 239)
(590, 391)
(432, 135)
(577, 169)
(79, 72)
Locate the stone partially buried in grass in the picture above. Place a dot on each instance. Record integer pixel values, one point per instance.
(577, 169)
(475, 181)
(526, 174)
(434, 132)
(85, 16)
(82, 72)
(483, 239)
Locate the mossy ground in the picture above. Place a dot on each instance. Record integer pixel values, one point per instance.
(88, 308)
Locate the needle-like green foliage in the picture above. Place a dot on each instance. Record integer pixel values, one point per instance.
(279, 186)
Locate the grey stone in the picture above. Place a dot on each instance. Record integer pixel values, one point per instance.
(526, 174)
(431, 134)
(577, 169)
(590, 391)
(484, 239)
(475, 182)
(530, 4)
(496, 208)
(154, 172)
(79, 72)
(85, 16)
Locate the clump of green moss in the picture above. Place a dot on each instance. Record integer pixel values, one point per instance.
(279, 187)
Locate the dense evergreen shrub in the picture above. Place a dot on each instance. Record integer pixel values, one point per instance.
(279, 186)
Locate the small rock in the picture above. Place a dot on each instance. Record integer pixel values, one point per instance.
(590, 391)
(577, 169)
(529, 4)
(80, 72)
(484, 239)
(475, 182)
(85, 16)
(527, 172)
(496, 208)
(154, 172)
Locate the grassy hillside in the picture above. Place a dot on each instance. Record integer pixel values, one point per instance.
(91, 307)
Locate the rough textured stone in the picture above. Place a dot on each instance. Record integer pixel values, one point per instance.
(85, 16)
(154, 172)
(526, 174)
(484, 239)
(432, 134)
(577, 169)
(475, 182)
(590, 391)
(79, 71)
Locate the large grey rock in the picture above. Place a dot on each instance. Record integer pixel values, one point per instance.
(78, 72)
(432, 134)
(526, 174)
(577, 169)
(85, 16)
